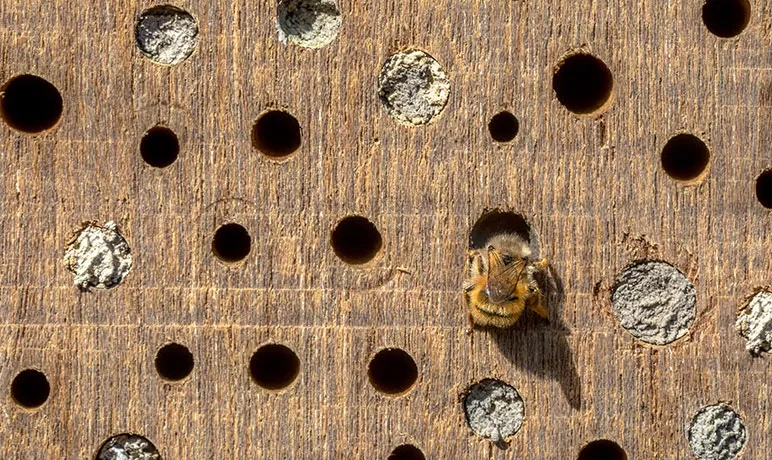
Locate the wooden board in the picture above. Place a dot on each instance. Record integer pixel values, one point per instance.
(592, 187)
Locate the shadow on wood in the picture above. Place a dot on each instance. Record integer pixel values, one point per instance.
(541, 347)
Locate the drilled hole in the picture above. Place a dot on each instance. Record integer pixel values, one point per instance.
(392, 371)
(174, 362)
(128, 447)
(276, 134)
(274, 366)
(231, 243)
(726, 18)
(602, 449)
(356, 240)
(583, 83)
(407, 452)
(166, 35)
(30, 388)
(717, 432)
(503, 127)
(764, 188)
(496, 222)
(30, 104)
(159, 147)
(308, 23)
(685, 157)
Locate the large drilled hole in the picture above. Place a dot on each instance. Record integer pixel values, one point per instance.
(30, 388)
(174, 362)
(356, 240)
(159, 147)
(496, 222)
(276, 134)
(726, 18)
(231, 243)
(503, 127)
(274, 366)
(407, 452)
(685, 157)
(30, 104)
(128, 447)
(392, 371)
(764, 188)
(583, 83)
(166, 34)
(602, 449)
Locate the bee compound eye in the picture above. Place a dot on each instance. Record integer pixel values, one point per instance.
(490, 247)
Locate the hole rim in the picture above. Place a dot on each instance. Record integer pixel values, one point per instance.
(766, 176)
(44, 127)
(701, 144)
(276, 385)
(226, 260)
(407, 451)
(722, 31)
(162, 130)
(497, 121)
(280, 156)
(177, 350)
(597, 108)
(38, 400)
(400, 390)
(374, 250)
(602, 443)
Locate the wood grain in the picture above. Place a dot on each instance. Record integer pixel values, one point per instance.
(590, 186)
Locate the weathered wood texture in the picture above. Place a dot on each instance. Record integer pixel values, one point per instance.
(591, 186)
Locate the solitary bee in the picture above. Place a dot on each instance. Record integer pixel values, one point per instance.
(500, 282)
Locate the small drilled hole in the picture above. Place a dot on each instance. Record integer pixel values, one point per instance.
(407, 452)
(30, 104)
(392, 371)
(276, 134)
(30, 389)
(503, 127)
(159, 147)
(356, 240)
(726, 18)
(685, 157)
(583, 83)
(274, 366)
(128, 447)
(602, 449)
(231, 243)
(174, 362)
(764, 188)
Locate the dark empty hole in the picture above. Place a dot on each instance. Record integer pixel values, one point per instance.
(764, 188)
(30, 104)
(30, 388)
(231, 243)
(496, 222)
(356, 240)
(685, 157)
(274, 366)
(174, 361)
(726, 18)
(392, 371)
(276, 134)
(159, 147)
(602, 449)
(583, 83)
(503, 127)
(407, 452)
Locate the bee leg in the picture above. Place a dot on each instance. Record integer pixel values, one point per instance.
(542, 264)
(538, 308)
(470, 329)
